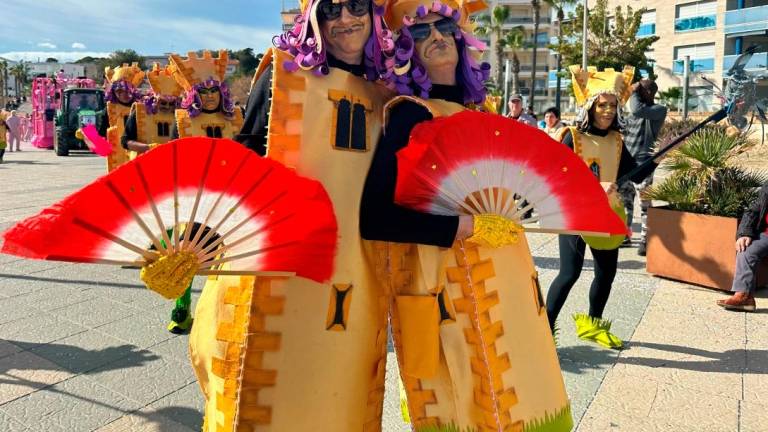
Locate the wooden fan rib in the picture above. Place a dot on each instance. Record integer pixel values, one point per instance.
(220, 240)
(244, 255)
(457, 180)
(148, 255)
(155, 241)
(199, 246)
(229, 246)
(445, 192)
(155, 212)
(564, 231)
(175, 176)
(198, 234)
(275, 274)
(198, 196)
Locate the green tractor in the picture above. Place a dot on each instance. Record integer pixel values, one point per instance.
(79, 107)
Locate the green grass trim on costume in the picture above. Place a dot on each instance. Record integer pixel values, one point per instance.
(561, 421)
(444, 428)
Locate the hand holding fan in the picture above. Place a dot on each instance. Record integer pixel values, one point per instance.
(258, 216)
(479, 164)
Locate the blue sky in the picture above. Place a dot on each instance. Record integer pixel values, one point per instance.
(72, 29)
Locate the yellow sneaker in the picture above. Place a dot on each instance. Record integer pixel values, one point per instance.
(181, 321)
(596, 330)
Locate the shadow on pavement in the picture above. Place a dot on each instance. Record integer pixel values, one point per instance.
(730, 361)
(78, 360)
(71, 281)
(579, 359)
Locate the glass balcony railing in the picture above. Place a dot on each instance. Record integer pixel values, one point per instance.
(746, 20)
(697, 65)
(552, 81)
(646, 30)
(758, 61)
(706, 22)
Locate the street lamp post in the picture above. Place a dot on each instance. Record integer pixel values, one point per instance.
(584, 37)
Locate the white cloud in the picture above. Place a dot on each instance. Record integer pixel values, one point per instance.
(78, 45)
(40, 56)
(46, 45)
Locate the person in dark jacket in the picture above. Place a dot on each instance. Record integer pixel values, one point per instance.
(751, 248)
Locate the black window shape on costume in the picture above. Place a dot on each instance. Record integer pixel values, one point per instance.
(349, 127)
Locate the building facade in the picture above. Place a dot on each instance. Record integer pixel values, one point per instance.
(712, 33)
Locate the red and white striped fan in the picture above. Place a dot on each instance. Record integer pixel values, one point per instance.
(260, 216)
(473, 162)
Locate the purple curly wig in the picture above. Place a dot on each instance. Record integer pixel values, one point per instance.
(122, 85)
(194, 105)
(151, 99)
(304, 43)
(410, 77)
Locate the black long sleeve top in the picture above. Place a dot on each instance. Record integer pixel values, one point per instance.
(626, 164)
(380, 217)
(253, 134)
(130, 133)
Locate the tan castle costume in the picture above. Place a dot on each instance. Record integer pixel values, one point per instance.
(132, 78)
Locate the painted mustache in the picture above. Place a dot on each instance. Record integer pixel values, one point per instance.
(346, 30)
(438, 45)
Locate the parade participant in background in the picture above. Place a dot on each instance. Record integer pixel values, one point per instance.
(643, 123)
(121, 92)
(13, 124)
(151, 119)
(751, 249)
(315, 359)
(515, 105)
(597, 139)
(449, 377)
(206, 110)
(3, 134)
(552, 123)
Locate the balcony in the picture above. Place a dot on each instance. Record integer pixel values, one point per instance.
(525, 91)
(646, 30)
(758, 61)
(747, 20)
(515, 21)
(697, 65)
(698, 23)
(552, 81)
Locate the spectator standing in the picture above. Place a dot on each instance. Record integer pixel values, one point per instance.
(552, 123)
(13, 123)
(515, 105)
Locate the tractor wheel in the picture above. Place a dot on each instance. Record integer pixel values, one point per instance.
(60, 144)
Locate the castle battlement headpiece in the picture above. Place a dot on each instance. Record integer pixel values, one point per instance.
(589, 83)
(195, 70)
(131, 74)
(162, 81)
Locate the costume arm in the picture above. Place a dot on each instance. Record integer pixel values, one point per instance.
(129, 133)
(380, 217)
(627, 163)
(751, 218)
(652, 112)
(254, 131)
(567, 138)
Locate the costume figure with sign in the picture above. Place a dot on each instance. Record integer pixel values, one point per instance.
(309, 356)
(469, 324)
(121, 92)
(151, 119)
(596, 139)
(207, 110)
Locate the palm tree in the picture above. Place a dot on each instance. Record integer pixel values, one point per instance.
(492, 26)
(559, 6)
(4, 81)
(20, 73)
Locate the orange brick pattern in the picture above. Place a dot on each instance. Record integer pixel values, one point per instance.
(490, 395)
(241, 368)
(283, 145)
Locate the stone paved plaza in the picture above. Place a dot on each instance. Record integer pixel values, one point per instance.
(84, 347)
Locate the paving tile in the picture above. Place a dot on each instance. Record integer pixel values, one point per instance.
(185, 406)
(76, 404)
(753, 416)
(40, 328)
(142, 380)
(14, 308)
(55, 297)
(87, 351)
(95, 312)
(175, 348)
(7, 348)
(8, 424)
(23, 373)
(143, 330)
(144, 420)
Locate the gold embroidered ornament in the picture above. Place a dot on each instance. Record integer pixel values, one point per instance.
(171, 274)
(494, 231)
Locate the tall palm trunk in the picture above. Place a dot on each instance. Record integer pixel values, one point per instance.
(499, 52)
(560, 18)
(515, 73)
(536, 10)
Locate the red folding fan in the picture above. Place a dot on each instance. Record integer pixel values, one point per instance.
(474, 162)
(256, 214)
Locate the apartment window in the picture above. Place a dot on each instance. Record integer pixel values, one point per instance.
(696, 16)
(647, 24)
(702, 58)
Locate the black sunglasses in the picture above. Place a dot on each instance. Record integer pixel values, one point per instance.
(422, 31)
(329, 11)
